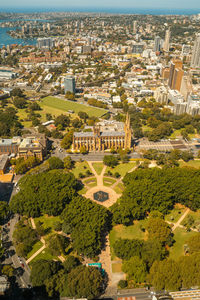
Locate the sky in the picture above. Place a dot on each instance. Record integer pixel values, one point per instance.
(175, 4)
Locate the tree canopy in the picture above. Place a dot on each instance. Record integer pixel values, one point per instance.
(156, 189)
(45, 193)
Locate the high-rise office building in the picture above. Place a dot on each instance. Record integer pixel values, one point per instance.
(175, 74)
(70, 84)
(167, 39)
(157, 44)
(134, 26)
(195, 62)
(45, 43)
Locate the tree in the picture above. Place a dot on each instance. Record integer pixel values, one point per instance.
(67, 140)
(165, 275)
(151, 251)
(193, 243)
(34, 106)
(110, 161)
(83, 150)
(68, 163)
(160, 230)
(126, 249)
(122, 284)
(71, 263)
(57, 244)
(83, 115)
(44, 193)
(55, 163)
(19, 102)
(4, 209)
(85, 282)
(7, 270)
(43, 270)
(56, 284)
(62, 120)
(16, 92)
(87, 221)
(136, 269)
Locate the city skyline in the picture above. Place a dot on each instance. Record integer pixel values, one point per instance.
(62, 4)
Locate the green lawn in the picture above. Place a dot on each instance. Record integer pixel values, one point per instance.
(66, 105)
(36, 247)
(180, 236)
(108, 181)
(191, 163)
(175, 215)
(119, 188)
(98, 167)
(196, 216)
(91, 181)
(47, 222)
(80, 167)
(45, 254)
(122, 169)
(126, 232)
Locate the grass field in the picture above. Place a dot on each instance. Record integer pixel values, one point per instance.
(108, 181)
(127, 232)
(175, 215)
(66, 105)
(80, 167)
(119, 188)
(91, 182)
(36, 247)
(180, 236)
(196, 217)
(47, 222)
(45, 254)
(122, 169)
(191, 163)
(98, 167)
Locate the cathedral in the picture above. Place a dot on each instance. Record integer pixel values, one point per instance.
(105, 135)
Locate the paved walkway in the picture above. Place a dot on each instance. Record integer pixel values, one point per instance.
(113, 196)
(177, 224)
(35, 254)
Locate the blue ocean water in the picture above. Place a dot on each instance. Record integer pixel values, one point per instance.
(6, 39)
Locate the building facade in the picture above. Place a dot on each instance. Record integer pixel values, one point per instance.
(195, 62)
(26, 146)
(69, 84)
(105, 135)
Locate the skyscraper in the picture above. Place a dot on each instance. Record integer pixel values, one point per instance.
(69, 84)
(45, 43)
(157, 44)
(175, 74)
(195, 62)
(166, 42)
(134, 26)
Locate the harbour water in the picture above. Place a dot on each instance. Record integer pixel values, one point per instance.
(6, 39)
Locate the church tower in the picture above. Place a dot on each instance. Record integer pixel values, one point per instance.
(127, 129)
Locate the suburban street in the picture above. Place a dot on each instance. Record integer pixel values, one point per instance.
(23, 271)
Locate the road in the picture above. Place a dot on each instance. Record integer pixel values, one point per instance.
(24, 273)
(139, 294)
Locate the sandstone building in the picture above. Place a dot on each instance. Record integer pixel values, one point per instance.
(104, 135)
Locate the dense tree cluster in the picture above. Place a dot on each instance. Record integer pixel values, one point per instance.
(45, 193)
(161, 121)
(22, 166)
(9, 124)
(24, 238)
(86, 221)
(156, 189)
(75, 281)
